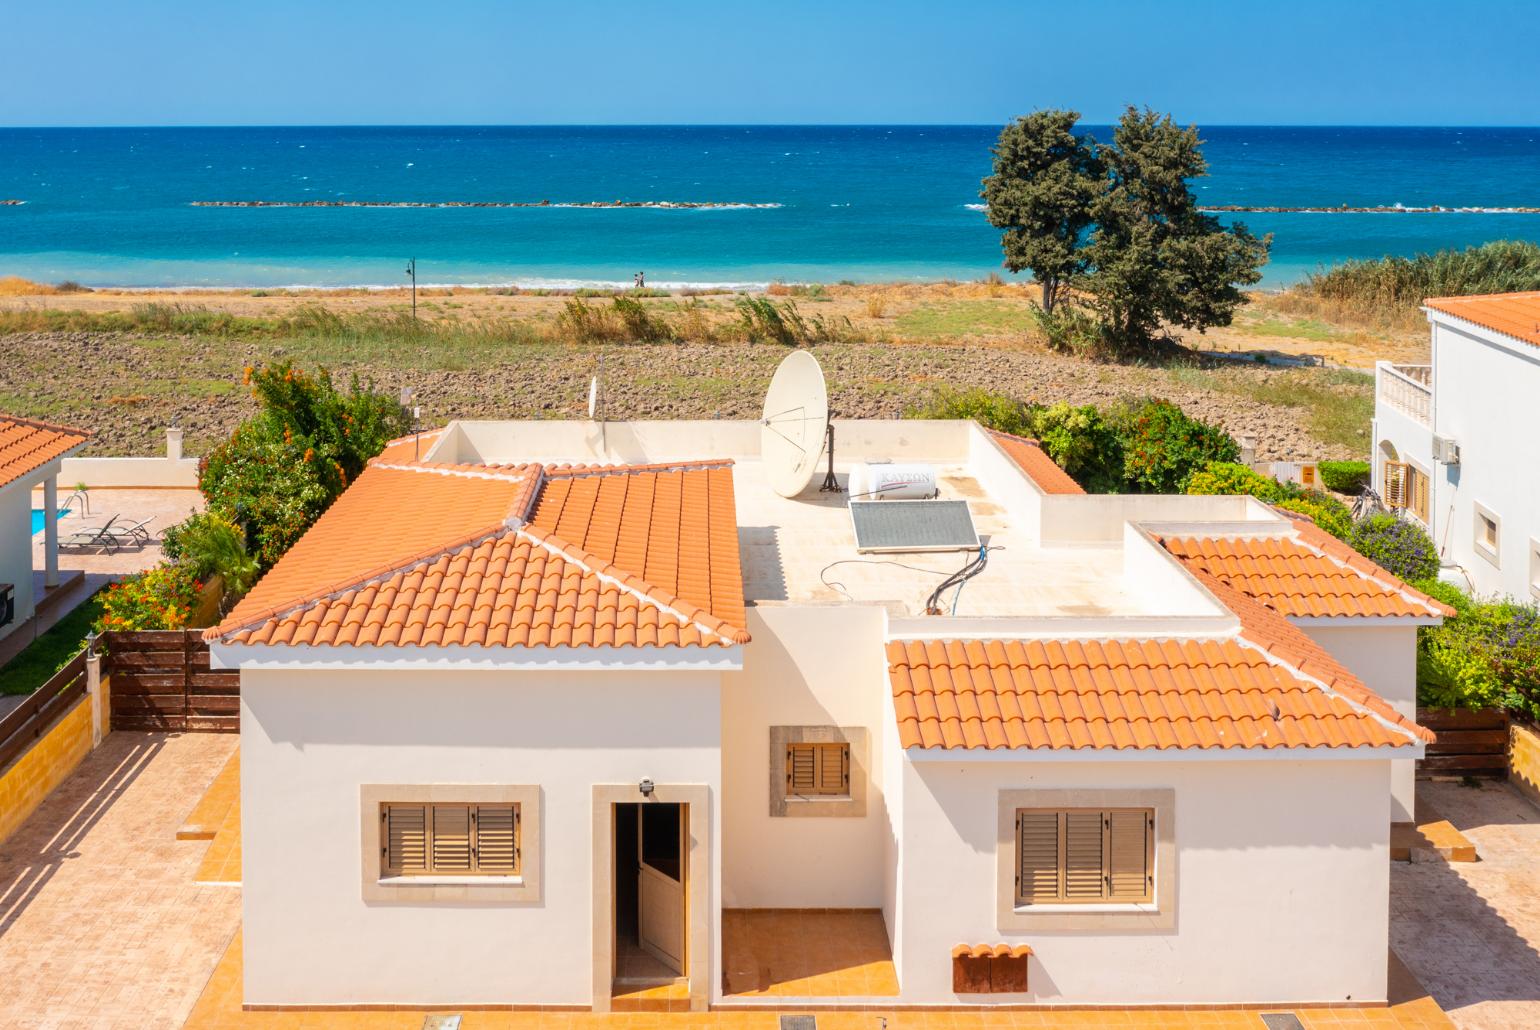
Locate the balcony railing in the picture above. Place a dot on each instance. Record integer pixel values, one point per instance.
(1407, 388)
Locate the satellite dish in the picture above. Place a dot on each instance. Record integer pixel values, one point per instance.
(794, 425)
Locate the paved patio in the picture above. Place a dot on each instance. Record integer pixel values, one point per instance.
(1471, 931)
(101, 924)
(163, 507)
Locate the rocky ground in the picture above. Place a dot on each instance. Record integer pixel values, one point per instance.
(129, 387)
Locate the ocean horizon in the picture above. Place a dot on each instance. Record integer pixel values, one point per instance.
(702, 206)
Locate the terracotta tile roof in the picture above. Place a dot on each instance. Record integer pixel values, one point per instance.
(1299, 575)
(1119, 694)
(992, 951)
(671, 526)
(1035, 462)
(409, 448)
(1512, 314)
(426, 554)
(26, 445)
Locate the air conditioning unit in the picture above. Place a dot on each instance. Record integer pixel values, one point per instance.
(1446, 451)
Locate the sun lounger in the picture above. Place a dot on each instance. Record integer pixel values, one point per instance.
(125, 532)
(93, 536)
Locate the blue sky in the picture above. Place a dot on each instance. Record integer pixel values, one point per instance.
(106, 62)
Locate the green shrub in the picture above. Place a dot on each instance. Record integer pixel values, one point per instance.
(762, 320)
(1344, 477)
(1486, 655)
(209, 545)
(1081, 442)
(641, 325)
(1163, 446)
(990, 410)
(160, 598)
(1396, 545)
(1228, 477)
(584, 324)
(284, 466)
(1070, 329)
(1326, 512)
(1500, 266)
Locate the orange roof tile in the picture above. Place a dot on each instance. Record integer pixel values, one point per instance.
(26, 445)
(672, 526)
(424, 554)
(1512, 314)
(410, 447)
(992, 951)
(1297, 576)
(1035, 462)
(1120, 694)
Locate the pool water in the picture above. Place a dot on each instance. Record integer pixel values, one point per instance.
(37, 519)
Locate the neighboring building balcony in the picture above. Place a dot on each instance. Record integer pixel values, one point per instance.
(1407, 388)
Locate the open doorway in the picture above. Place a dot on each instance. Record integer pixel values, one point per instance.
(651, 877)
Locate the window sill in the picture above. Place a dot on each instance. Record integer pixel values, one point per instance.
(1487, 553)
(450, 881)
(816, 799)
(1068, 910)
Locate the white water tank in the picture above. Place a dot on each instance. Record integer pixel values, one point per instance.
(892, 480)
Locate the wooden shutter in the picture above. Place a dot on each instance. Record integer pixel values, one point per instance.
(451, 839)
(1395, 484)
(405, 834)
(1083, 851)
(801, 769)
(1418, 500)
(1128, 854)
(497, 839)
(1037, 857)
(833, 768)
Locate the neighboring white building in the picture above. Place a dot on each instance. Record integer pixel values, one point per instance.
(1452, 440)
(30, 454)
(1134, 757)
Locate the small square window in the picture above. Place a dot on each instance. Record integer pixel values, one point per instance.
(818, 770)
(1488, 533)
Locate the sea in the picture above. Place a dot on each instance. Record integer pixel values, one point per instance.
(129, 206)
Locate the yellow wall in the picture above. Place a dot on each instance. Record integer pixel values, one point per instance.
(32, 776)
(1524, 759)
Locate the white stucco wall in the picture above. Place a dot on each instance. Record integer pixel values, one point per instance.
(806, 666)
(1485, 386)
(1385, 658)
(16, 548)
(1282, 883)
(310, 739)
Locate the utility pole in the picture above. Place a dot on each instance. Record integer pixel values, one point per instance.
(411, 270)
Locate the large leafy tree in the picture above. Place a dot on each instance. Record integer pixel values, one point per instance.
(1119, 223)
(1046, 179)
(1156, 257)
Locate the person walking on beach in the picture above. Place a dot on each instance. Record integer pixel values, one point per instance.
(640, 280)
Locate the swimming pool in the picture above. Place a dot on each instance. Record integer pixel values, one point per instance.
(37, 519)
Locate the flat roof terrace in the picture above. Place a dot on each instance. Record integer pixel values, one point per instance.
(802, 550)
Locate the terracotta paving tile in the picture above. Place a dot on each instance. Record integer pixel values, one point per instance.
(101, 924)
(203, 822)
(221, 865)
(789, 953)
(27, 445)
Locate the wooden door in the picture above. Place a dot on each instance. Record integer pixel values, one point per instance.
(661, 854)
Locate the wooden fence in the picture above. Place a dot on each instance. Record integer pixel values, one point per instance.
(161, 680)
(1471, 742)
(28, 721)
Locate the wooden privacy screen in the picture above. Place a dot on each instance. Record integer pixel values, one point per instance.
(161, 680)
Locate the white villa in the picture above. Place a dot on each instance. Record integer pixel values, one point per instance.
(542, 710)
(30, 457)
(1451, 440)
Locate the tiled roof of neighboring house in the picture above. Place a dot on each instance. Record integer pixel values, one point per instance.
(432, 554)
(1120, 694)
(1035, 462)
(1309, 573)
(26, 445)
(1512, 314)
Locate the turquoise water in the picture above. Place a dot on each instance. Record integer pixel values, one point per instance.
(114, 206)
(38, 522)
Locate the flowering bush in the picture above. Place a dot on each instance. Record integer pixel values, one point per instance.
(1327, 512)
(1487, 655)
(160, 598)
(1082, 442)
(1228, 477)
(1395, 544)
(1163, 447)
(284, 466)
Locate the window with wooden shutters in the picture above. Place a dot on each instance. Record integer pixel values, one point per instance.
(1395, 484)
(449, 839)
(818, 770)
(1417, 492)
(1081, 856)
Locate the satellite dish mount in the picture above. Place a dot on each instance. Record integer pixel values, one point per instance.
(794, 428)
(830, 484)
